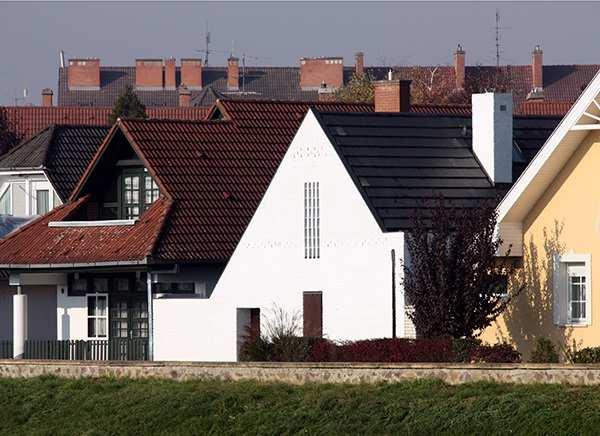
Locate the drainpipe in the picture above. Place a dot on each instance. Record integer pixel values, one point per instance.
(19, 324)
(150, 317)
(393, 293)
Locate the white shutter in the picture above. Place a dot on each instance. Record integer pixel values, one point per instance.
(559, 292)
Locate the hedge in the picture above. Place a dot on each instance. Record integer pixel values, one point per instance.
(297, 349)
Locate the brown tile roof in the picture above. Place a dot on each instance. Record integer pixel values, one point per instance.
(214, 172)
(543, 108)
(29, 120)
(63, 151)
(38, 243)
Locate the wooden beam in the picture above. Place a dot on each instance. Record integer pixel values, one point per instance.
(596, 103)
(587, 114)
(586, 127)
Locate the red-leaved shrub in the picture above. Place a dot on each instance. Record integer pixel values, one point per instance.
(497, 353)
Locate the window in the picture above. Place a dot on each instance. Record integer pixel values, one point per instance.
(42, 198)
(577, 293)
(5, 201)
(97, 315)
(311, 221)
(131, 196)
(176, 288)
(572, 286)
(139, 191)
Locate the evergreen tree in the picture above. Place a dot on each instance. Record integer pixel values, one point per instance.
(128, 105)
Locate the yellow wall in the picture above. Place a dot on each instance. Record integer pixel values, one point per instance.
(566, 219)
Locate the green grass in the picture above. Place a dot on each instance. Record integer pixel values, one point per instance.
(53, 406)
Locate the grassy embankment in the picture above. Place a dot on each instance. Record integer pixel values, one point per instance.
(118, 406)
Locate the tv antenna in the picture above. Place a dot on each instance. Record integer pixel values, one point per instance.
(23, 99)
(498, 38)
(244, 57)
(207, 50)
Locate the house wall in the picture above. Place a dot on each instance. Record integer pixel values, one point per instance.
(24, 186)
(565, 220)
(41, 307)
(268, 268)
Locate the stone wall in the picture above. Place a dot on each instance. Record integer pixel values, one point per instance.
(300, 373)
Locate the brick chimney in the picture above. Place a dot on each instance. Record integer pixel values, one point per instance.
(185, 96)
(191, 73)
(392, 95)
(326, 94)
(149, 74)
(47, 97)
(170, 82)
(359, 63)
(233, 74)
(315, 71)
(537, 68)
(84, 74)
(459, 67)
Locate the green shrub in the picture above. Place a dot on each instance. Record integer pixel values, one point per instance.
(259, 350)
(544, 352)
(586, 355)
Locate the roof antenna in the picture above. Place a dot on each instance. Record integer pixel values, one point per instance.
(497, 38)
(206, 44)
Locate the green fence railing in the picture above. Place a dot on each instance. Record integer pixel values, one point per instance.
(6, 350)
(111, 349)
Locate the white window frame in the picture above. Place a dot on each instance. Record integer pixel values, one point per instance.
(88, 316)
(562, 290)
(34, 187)
(312, 220)
(3, 191)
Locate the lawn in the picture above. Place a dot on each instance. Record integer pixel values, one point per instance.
(55, 406)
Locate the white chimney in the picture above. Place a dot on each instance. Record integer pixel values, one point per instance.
(493, 134)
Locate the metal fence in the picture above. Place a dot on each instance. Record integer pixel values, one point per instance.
(111, 349)
(6, 350)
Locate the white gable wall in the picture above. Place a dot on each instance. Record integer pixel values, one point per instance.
(268, 268)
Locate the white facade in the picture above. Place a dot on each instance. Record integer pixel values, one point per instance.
(26, 193)
(351, 264)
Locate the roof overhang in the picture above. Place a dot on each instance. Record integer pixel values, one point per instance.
(582, 118)
(74, 265)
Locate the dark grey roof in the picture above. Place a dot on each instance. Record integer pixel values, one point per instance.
(64, 151)
(403, 163)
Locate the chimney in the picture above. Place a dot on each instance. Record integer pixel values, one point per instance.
(233, 74)
(392, 95)
(185, 96)
(326, 94)
(359, 63)
(191, 73)
(149, 74)
(537, 74)
(47, 97)
(315, 71)
(170, 74)
(493, 134)
(84, 74)
(459, 67)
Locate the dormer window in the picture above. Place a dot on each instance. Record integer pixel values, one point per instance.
(138, 192)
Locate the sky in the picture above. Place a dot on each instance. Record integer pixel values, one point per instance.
(279, 33)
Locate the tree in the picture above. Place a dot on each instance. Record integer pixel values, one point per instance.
(358, 90)
(128, 105)
(453, 278)
(8, 134)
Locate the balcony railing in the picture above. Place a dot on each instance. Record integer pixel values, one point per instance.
(111, 349)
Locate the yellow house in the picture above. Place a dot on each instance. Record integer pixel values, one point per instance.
(551, 219)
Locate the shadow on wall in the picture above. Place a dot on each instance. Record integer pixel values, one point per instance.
(530, 314)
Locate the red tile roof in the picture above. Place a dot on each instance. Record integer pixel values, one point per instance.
(28, 120)
(543, 108)
(38, 243)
